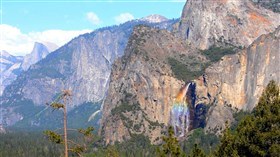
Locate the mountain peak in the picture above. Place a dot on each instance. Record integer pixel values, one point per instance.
(39, 52)
(154, 18)
(38, 45)
(50, 46)
(5, 54)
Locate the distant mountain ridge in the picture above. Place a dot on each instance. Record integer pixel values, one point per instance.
(12, 66)
(83, 65)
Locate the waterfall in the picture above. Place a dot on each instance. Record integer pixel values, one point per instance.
(180, 114)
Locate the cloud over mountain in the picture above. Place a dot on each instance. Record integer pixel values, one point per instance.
(93, 18)
(123, 17)
(19, 43)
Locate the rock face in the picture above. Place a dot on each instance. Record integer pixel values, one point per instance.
(269, 4)
(236, 22)
(145, 81)
(142, 86)
(83, 65)
(39, 52)
(237, 81)
(9, 64)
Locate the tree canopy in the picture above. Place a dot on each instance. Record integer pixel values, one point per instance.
(258, 134)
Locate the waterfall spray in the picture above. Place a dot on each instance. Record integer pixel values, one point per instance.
(180, 114)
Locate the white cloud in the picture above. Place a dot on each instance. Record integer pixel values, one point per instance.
(123, 17)
(18, 43)
(93, 18)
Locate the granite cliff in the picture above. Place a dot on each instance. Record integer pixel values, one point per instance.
(8, 64)
(145, 81)
(143, 85)
(218, 22)
(237, 81)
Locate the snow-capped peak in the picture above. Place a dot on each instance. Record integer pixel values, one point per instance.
(155, 18)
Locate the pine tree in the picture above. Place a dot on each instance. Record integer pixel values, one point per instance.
(227, 146)
(197, 152)
(259, 133)
(111, 152)
(171, 147)
(60, 103)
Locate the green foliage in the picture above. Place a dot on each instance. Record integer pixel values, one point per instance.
(215, 53)
(77, 149)
(190, 67)
(125, 107)
(137, 146)
(112, 152)
(257, 134)
(53, 136)
(183, 71)
(57, 106)
(171, 147)
(227, 146)
(27, 144)
(238, 117)
(197, 152)
(208, 142)
(86, 132)
(79, 146)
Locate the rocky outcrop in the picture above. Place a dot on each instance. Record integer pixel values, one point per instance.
(236, 22)
(237, 81)
(39, 52)
(143, 86)
(9, 65)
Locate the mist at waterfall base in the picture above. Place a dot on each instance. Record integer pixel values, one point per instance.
(182, 111)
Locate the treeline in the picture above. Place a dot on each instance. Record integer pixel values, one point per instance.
(27, 144)
(256, 134)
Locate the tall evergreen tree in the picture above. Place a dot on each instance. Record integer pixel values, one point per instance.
(197, 152)
(171, 147)
(259, 133)
(227, 146)
(61, 103)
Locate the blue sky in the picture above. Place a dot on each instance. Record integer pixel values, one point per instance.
(34, 19)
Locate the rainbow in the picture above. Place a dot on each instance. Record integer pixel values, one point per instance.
(180, 113)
